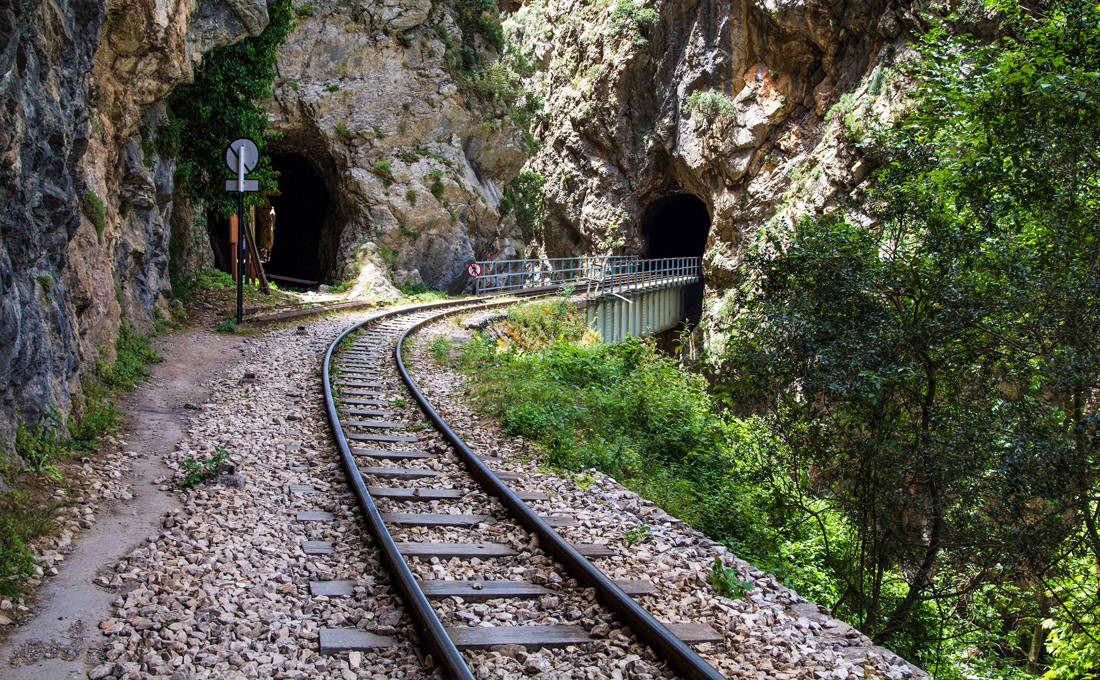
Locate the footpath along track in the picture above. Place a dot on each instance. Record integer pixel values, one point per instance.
(445, 513)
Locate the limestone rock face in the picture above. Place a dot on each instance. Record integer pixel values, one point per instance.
(754, 107)
(413, 163)
(85, 200)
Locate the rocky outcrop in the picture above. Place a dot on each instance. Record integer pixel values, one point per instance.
(414, 163)
(85, 199)
(755, 107)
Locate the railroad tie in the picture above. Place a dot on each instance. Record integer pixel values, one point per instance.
(375, 424)
(425, 494)
(431, 519)
(364, 402)
(317, 547)
(491, 590)
(335, 640)
(382, 438)
(531, 637)
(399, 473)
(391, 455)
(331, 588)
(367, 413)
(314, 516)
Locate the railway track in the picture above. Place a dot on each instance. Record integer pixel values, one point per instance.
(430, 505)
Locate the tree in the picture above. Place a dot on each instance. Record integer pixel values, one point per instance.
(936, 374)
(222, 105)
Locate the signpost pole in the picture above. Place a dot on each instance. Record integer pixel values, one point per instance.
(242, 226)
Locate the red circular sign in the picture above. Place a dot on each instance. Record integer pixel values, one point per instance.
(473, 269)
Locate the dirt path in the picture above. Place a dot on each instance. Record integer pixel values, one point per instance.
(55, 643)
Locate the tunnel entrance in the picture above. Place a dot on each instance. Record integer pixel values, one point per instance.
(677, 225)
(302, 213)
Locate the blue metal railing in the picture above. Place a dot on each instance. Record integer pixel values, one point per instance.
(604, 274)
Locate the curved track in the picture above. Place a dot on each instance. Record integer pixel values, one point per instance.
(354, 365)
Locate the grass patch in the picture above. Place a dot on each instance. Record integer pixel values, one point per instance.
(133, 353)
(25, 508)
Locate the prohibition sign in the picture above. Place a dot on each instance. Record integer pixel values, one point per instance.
(473, 269)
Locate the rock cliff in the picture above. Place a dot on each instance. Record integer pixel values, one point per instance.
(85, 200)
(416, 124)
(413, 161)
(754, 107)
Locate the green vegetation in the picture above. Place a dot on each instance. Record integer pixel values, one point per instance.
(524, 196)
(420, 292)
(46, 282)
(196, 471)
(725, 580)
(93, 209)
(635, 535)
(221, 105)
(384, 171)
(43, 448)
(226, 326)
(930, 383)
(710, 104)
(635, 19)
(410, 196)
(133, 353)
(435, 177)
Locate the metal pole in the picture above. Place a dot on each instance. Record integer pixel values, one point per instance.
(241, 231)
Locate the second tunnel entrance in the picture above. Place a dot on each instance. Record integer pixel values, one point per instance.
(677, 225)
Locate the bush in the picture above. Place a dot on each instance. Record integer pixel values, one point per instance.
(634, 18)
(711, 104)
(384, 171)
(93, 209)
(524, 196)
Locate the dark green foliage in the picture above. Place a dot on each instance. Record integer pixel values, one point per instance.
(937, 373)
(385, 171)
(220, 106)
(524, 196)
(479, 19)
(93, 209)
(41, 444)
(19, 522)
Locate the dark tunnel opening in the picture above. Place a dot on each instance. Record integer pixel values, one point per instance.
(302, 211)
(677, 225)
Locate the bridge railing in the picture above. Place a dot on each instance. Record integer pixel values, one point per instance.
(611, 274)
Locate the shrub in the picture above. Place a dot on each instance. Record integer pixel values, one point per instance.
(384, 171)
(711, 104)
(92, 207)
(633, 17)
(196, 471)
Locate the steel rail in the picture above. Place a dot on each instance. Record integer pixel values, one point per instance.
(444, 652)
(442, 648)
(650, 630)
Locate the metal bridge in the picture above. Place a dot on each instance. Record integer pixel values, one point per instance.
(622, 295)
